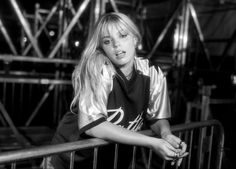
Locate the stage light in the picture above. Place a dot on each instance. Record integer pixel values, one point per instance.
(24, 39)
(76, 43)
(140, 47)
(51, 33)
(233, 79)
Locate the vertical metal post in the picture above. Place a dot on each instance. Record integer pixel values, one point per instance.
(72, 159)
(95, 157)
(95, 12)
(116, 156)
(56, 99)
(134, 157)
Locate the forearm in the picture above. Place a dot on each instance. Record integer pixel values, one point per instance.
(111, 132)
(161, 127)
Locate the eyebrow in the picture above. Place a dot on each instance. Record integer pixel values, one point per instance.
(107, 36)
(122, 31)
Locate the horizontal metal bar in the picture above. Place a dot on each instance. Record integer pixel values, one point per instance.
(34, 81)
(20, 74)
(41, 151)
(10, 58)
(222, 101)
(35, 152)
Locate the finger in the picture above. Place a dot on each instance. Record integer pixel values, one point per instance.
(176, 141)
(172, 162)
(181, 158)
(179, 162)
(173, 140)
(175, 156)
(183, 147)
(183, 155)
(170, 148)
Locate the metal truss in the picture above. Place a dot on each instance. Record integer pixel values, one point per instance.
(181, 18)
(67, 18)
(20, 85)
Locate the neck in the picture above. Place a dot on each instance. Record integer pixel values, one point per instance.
(127, 71)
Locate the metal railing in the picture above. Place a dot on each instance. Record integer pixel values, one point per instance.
(205, 142)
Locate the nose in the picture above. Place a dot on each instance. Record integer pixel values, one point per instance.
(116, 43)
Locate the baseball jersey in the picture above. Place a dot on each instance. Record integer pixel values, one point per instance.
(128, 103)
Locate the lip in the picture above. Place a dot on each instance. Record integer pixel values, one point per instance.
(120, 55)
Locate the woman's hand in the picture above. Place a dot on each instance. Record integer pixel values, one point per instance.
(179, 145)
(164, 149)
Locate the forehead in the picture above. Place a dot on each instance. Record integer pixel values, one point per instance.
(109, 28)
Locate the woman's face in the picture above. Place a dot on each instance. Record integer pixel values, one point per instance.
(119, 46)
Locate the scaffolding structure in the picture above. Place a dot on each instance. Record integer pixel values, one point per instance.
(35, 74)
(36, 66)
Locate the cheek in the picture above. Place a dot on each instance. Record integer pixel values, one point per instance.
(107, 50)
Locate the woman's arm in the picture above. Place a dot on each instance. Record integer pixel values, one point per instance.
(162, 128)
(111, 132)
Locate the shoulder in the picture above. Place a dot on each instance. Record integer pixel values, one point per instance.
(107, 76)
(144, 66)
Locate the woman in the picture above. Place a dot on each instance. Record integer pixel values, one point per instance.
(116, 94)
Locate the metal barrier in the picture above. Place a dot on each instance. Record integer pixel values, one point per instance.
(33, 98)
(205, 142)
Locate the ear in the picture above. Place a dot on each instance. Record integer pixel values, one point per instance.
(135, 41)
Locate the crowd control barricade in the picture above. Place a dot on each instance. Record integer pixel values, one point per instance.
(205, 142)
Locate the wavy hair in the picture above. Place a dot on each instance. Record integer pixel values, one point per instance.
(87, 75)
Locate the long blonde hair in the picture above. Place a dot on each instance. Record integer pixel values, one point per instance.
(87, 75)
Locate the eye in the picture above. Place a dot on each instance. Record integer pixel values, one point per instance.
(106, 41)
(123, 35)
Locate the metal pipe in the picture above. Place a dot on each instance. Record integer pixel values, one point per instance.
(185, 36)
(93, 15)
(200, 34)
(56, 93)
(19, 58)
(95, 158)
(26, 27)
(114, 6)
(133, 157)
(210, 147)
(72, 159)
(164, 31)
(42, 151)
(69, 28)
(48, 150)
(42, 81)
(149, 159)
(42, 27)
(70, 6)
(20, 138)
(190, 148)
(43, 99)
(13, 165)
(7, 37)
(116, 156)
